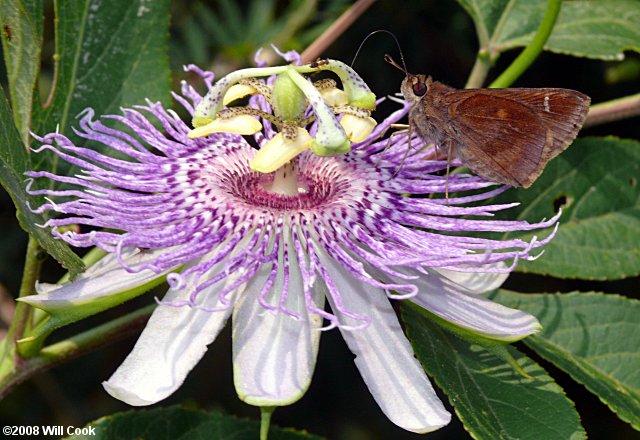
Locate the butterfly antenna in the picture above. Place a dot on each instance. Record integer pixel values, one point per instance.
(391, 61)
(385, 57)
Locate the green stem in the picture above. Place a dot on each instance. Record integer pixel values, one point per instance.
(265, 420)
(480, 70)
(112, 331)
(32, 265)
(524, 60)
(610, 111)
(487, 55)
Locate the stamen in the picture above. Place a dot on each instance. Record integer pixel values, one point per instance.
(285, 180)
(326, 83)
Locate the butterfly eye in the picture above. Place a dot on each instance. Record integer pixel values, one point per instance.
(419, 89)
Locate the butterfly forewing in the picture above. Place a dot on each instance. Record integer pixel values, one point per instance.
(508, 135)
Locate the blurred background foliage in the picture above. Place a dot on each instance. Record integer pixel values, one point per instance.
(437, 37)
(224, 35)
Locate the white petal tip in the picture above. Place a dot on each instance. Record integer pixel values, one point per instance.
(38, 301)
(271, 400)
(443, 421)
(26, 299)
(126, 396)
(515, 335)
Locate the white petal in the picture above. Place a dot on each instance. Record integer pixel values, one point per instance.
(385, 358)
(463, 308)
(274, 354)
(103, 279)
(476, 282)
(171, 344)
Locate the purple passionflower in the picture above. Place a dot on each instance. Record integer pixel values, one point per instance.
(268, 250)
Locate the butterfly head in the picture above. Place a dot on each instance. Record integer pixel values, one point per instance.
(414, 87)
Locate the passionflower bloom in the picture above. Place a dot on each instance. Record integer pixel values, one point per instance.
(268, 249)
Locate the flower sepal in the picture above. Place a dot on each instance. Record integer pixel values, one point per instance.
(103, 286)
(498, 348)
(457, 303)
(478, 337)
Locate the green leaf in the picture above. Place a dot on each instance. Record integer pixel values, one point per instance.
(596, 183)
(232, 16)
(176, 423)
(216, 26)
(492, 400)
(13, 162)
(591, 28)
(109, 55)
(590, 336)
(21, 43)
(486, 15)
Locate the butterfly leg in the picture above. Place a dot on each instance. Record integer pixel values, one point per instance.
(395, 133)
(449, 155)
(406, 154)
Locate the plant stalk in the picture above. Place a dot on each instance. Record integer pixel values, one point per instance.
(75, 346)
(531, 52)
(610, 111)
(480, 70)
(328, 37)
(32, 267)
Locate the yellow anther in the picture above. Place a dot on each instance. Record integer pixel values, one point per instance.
(334, 96)
(241, 124)
(279, 151)
(356, 127)
(237, 91)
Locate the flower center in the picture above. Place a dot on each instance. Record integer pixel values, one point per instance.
(314, 183)
(256, 189)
